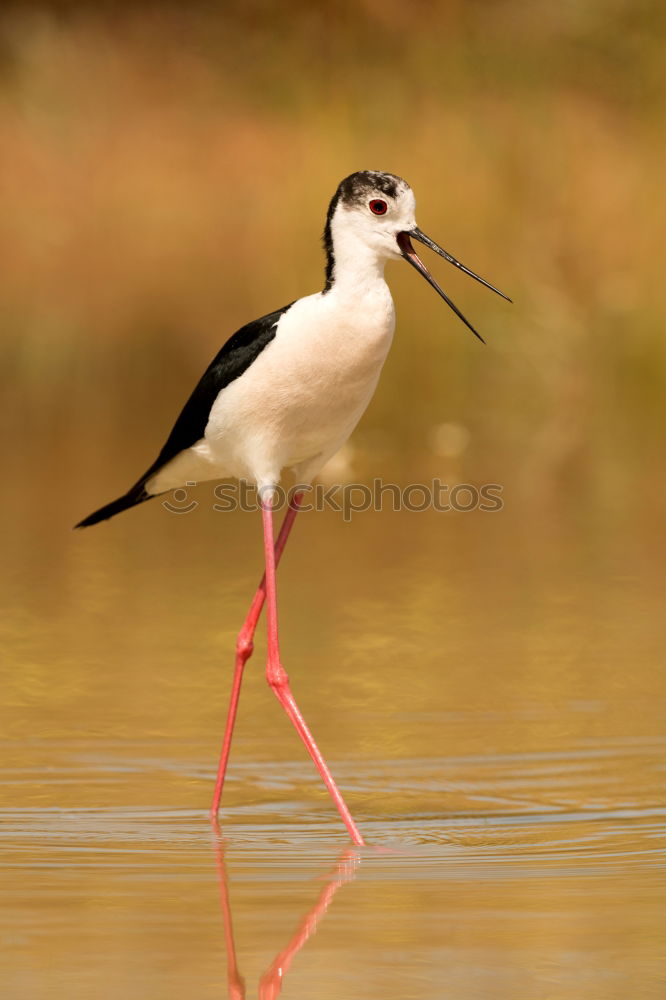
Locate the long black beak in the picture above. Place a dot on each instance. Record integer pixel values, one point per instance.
(412, 257)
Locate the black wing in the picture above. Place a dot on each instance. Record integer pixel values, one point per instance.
(235, 357)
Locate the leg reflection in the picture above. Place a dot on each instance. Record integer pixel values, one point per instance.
(345, 871)
(271, 982)
(235, 981)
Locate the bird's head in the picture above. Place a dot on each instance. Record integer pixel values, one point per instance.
(377, 211)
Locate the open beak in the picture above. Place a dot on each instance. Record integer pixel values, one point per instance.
(410, 255)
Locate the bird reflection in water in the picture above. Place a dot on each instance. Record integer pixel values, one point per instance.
(270, 984)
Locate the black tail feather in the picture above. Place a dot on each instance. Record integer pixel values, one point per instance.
(130, 499)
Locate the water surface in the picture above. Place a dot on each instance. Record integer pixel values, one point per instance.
(491, 701)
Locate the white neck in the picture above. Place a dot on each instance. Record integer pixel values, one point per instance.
(358, 268)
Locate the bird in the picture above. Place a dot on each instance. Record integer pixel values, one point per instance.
(285, 392)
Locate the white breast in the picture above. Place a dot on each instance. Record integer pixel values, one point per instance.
(304, 394)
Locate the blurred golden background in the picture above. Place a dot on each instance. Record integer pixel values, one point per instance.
(165, 174)
(488, 688)
(165, 177)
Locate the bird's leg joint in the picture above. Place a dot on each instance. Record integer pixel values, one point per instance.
(276, 675)
(244, 645)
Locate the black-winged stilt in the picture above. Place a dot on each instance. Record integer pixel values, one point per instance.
(286, 391)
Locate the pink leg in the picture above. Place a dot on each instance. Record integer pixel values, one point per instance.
(278, 680)
(244, 647)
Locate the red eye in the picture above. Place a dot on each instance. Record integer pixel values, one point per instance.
(378, 207)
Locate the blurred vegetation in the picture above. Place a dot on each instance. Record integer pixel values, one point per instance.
(165, 170)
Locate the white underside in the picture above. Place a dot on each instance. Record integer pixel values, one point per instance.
(299, 401)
